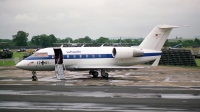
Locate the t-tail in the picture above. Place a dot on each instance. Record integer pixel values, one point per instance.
(157, 37)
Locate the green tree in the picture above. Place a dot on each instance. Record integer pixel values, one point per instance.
(113, 40)
(20, 39)
(44, 40)
(196, 41)
(59, 40)
(51, 39)
(187, 43)
(67, 40)
(35, 40)
(5, 43)
(86, 39)
(137, 41)
(103, 40)
(167, 43)
(127, 41)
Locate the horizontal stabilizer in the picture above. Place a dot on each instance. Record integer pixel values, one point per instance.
(168, 26)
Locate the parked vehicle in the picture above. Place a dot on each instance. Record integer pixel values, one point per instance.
(196, 51)
(6, 53)
(21, 50)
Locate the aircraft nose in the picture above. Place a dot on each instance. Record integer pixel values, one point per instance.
(19, 65)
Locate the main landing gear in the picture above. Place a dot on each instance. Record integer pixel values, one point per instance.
(96, 73)
(34, 77)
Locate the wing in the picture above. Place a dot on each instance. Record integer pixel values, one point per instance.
(112, 67)
(108, 67)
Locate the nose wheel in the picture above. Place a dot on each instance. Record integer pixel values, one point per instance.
(34, 77)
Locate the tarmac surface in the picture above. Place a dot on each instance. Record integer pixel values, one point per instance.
(159, 89)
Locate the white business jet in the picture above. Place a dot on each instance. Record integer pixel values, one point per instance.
(98, 59)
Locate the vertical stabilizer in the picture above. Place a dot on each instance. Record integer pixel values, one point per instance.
(157, 37)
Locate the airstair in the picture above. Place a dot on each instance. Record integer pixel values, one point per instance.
(59, 66)
(59, 71)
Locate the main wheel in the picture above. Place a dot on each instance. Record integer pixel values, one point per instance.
(91, 71)
(34, 78)
(106, 75)
(95, 74)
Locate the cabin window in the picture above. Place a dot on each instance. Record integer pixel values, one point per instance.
(39, 55)
(83, 56)
(77, 56)
(90, 56)
(71, 56)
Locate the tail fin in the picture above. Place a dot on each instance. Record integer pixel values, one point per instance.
(157, 37)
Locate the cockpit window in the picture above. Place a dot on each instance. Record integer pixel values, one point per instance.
(39, 55)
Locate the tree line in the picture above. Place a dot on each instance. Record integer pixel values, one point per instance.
(185, 43)
(21, 39)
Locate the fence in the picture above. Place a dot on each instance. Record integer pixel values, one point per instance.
(10, 61)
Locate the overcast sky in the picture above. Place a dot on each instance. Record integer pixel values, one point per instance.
(95, 18)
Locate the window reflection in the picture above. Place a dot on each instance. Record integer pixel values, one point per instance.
(39, 55)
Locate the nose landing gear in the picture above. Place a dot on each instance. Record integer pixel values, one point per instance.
(34, 77)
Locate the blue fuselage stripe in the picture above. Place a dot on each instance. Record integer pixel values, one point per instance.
(151, 54)
(85, 56)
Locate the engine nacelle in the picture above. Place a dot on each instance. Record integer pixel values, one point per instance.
(126, 52)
